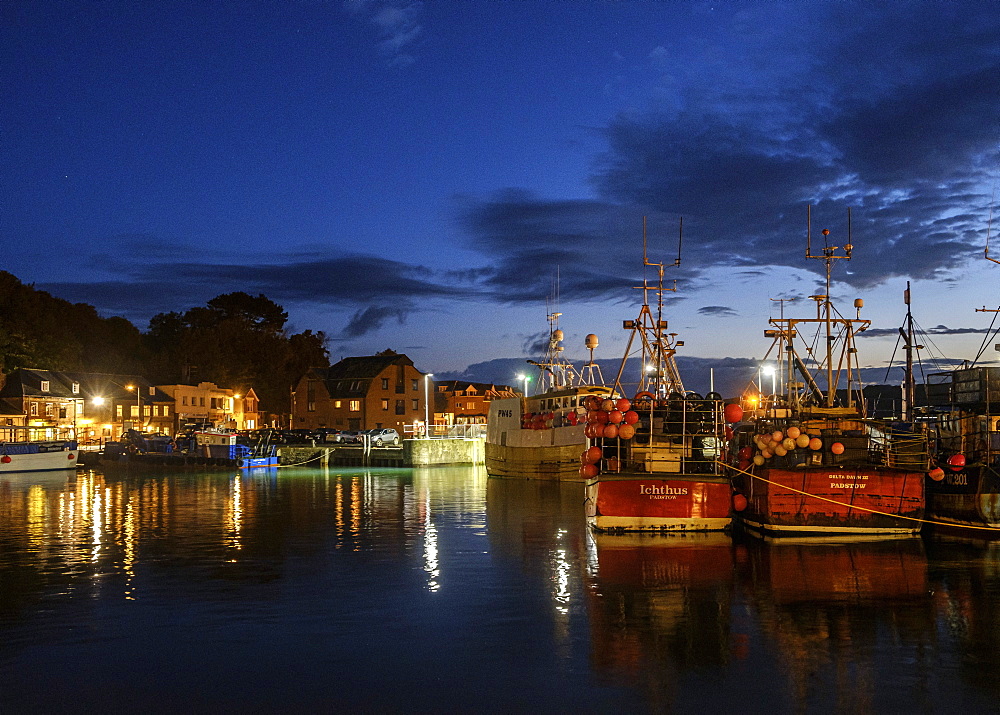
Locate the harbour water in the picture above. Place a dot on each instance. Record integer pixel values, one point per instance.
(439, 590)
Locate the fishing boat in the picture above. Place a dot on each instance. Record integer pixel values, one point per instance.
(964, 487)
(33, 449)
(653, 463)
(540, 436)
(808, 458)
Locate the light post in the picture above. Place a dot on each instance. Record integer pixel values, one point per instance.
(427, 406)
(526, 379)
(138, 404)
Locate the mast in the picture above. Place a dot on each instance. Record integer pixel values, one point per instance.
(909, 387)
(824, 304)
(659, 373)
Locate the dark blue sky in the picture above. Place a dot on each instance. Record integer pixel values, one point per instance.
(414, 175)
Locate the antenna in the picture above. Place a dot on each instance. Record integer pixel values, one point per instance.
(989, 225)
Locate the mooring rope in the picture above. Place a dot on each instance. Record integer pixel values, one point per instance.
(862, 508)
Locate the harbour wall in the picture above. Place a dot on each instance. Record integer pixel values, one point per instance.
(412, 453)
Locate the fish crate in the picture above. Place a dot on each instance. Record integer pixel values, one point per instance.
(976, 385)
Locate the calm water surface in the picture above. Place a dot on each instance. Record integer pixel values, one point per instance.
(439, 590)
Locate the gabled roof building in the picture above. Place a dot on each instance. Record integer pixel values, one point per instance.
(367, 392)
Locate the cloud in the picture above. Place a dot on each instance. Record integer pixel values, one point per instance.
(371, 319)
(142, 289)
(718, 311)
(913, 151)
(937, 330)
(398, 23)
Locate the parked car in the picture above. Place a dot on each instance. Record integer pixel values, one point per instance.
(350, 436)
(383, 436)
(326, 434)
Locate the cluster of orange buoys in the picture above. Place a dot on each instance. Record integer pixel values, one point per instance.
(608, 418)
(778, 444)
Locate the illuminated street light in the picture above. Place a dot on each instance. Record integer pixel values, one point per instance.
(526, 379)
(769, 370)
(427, 406)
(138, 406)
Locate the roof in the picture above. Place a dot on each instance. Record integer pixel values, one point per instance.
(352, 376)
(27, 382)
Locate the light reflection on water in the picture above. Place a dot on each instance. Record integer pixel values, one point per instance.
(438, 589)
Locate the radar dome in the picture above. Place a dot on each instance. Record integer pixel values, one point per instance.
(557, 335)
(591, 341)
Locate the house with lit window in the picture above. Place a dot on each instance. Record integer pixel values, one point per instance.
(207, 404)
(368, 392)
(460, 402)
(99, 406)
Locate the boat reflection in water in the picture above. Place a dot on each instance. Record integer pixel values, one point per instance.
(965, 577)
(845, 617)
(660, 606)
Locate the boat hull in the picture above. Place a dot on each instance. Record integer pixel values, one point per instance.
(640, 502)
(553, 462)
(56, 458)
(968, 497)
(830, 500)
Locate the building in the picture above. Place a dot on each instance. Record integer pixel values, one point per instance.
(459, 402)
(99, 406)
(383, 390)
(208, 404)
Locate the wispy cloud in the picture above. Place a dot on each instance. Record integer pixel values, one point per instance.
(398, 24)
(718, 311)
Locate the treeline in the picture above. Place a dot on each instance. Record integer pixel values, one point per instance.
(236, 341)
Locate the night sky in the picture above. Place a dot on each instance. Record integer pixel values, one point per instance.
(424, 176)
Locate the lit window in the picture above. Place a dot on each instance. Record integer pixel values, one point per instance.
(355, 406)
(385, 404)
(33, 409)
(336, 404)
(118, 411)
(76, 388)
(45, 386)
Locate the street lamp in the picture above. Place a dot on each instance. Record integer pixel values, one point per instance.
(427, 406)
(138, 404)
(769, 370)
(527, 379)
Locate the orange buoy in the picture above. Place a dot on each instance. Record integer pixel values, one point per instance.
(739, 502)
(788, 443)
(631, 417)
(837, 448)
(793, 432)
(608, 405)
(732, 413)
(815, 443)
(956, 462)
(802, 441)
(623, 405)
(626, 431)
(592, 455)
(937, 474)
(589, 471)
(610, 431)
(758, 459)
(776, 436)
(616, 417)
